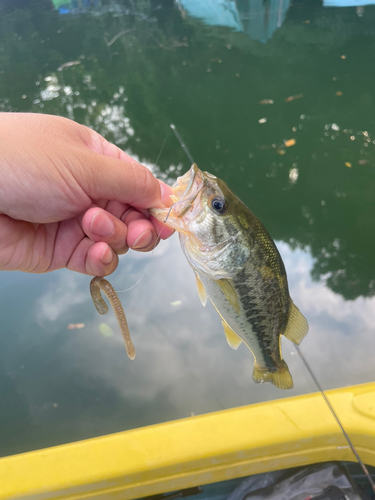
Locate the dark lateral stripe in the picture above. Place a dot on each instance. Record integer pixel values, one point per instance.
(255, 317)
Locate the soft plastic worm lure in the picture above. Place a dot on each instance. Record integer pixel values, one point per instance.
(98, 284)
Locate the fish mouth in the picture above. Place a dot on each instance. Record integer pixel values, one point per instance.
(185, 191)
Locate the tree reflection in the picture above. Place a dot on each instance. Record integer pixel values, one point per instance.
(169, 68)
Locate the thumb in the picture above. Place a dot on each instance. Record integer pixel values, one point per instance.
(114, 175)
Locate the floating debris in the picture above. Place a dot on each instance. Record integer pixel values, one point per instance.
(68, 65)
(294, 129)
(289, 143)
(208, 70)
(262, 120)
(293, 175)
(105, 330)
(343, 56)
(237, 75)
(348, 164)
(334, 126)
(281, 151)
(339, 92)
(266, 101)
(176, 303)
(76, 326)
(306, 22)
(123, 32)
(293, 97)
(363, 162)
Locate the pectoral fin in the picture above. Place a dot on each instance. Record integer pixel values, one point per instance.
(201, 291)
(297, 326)
(232, 338)
(230, 294)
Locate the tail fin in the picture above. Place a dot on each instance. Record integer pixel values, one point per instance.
(281, 378)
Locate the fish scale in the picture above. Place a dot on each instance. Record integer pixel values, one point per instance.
(241, 324)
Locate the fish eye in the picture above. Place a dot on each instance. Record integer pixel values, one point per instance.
(219, 205)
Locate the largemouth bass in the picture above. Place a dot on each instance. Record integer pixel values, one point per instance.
(238, 268)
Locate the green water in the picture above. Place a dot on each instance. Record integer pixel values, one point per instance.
(315, 197)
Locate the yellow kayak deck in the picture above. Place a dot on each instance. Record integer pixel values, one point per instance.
(198, 450)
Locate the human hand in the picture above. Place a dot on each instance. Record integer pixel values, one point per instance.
(69, 198)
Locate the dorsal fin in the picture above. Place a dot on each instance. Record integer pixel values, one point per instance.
(297, 326)
(201, 291)
(232, 338)
(230, 294)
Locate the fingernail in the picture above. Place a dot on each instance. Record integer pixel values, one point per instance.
(166, 191)
(143, 240)
(106, 257)
(101, 225)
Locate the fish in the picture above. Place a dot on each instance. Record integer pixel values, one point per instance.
(238, 268)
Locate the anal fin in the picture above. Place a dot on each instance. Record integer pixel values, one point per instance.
(281, 378)
(297, 326)
(232, 338)
(201, 291)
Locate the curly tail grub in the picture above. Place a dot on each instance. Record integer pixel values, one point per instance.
(98, 284)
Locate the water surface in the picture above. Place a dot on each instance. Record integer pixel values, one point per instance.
(129, 71)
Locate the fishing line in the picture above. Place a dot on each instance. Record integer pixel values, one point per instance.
(169, 211)
(162, 147)
(152, 253)
(170, 208)
(346, 436)
(158, 236)
(182, 144)
(148, 263)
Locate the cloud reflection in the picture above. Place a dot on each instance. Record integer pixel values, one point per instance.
(340, 344)
(76, 384)
(182, 353)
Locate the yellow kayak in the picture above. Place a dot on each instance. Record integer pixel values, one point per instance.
(198, 450)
